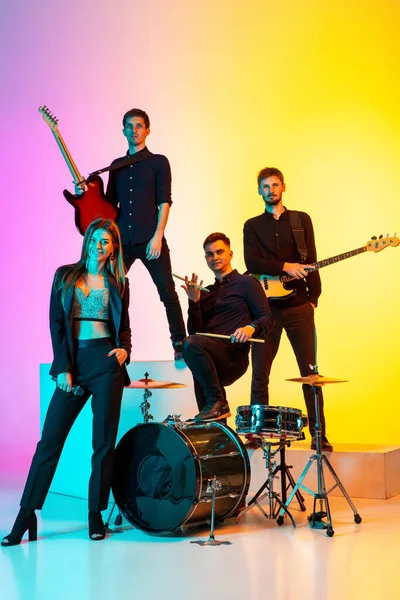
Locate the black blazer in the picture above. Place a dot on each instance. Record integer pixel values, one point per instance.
(61, 324)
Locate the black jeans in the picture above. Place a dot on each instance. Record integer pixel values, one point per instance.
(100, 376)
(160, 272)
(298, 322)
(214, 364)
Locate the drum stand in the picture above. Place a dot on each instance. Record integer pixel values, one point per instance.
(285, 470)
(275, 503)
(316, 517)
(213, 485)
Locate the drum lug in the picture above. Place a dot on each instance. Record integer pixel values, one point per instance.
(172, 420)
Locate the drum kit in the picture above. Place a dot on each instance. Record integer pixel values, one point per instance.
(176, 474)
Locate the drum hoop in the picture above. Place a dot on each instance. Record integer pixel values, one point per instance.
(250, 407)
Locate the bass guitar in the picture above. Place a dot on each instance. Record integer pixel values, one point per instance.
(281, 286)
(93, 203)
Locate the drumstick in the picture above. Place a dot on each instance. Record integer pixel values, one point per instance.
(228, 337)
(203, 289)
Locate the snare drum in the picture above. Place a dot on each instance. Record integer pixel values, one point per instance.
(272, 421)
(162, 473)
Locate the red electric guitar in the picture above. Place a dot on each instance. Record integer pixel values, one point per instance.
(92, 204)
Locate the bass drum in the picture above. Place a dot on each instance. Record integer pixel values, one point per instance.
(162, 473)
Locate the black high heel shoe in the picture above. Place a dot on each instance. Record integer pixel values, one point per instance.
(97, 530)
(26, 521)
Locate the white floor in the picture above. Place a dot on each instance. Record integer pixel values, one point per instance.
(264, 560)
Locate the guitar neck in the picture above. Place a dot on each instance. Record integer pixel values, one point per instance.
(67, 157)
(331, 261)
(338, 258)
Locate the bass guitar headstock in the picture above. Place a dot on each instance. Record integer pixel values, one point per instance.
(50, 119)
(377, 244)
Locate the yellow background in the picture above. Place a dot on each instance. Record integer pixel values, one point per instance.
(231, 86)
(311, 88)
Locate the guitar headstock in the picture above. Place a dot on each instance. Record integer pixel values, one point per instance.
(378, 244)
(50, 119)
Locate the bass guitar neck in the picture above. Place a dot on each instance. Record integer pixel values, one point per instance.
(278, 287)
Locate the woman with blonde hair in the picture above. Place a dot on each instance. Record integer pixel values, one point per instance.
(91, 338)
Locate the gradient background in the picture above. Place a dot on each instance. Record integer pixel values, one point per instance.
(230, 87)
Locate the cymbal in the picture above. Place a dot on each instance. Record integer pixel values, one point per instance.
(152, 384)
(316, 380)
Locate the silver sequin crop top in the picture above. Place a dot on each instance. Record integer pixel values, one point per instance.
(90, 308)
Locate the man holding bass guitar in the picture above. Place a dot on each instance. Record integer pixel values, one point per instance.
(142, 192)
(276, 243)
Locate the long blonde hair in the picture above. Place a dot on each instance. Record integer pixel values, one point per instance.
(114, 265)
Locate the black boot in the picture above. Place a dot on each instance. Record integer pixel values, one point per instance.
(97, 531)
(25, 521)
(326, 446)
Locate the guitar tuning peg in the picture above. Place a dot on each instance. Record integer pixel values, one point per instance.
(394, 234)
(381, 236)
(373, 237)
(387, 235)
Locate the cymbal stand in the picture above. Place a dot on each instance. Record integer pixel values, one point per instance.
(275, 503)
(145, 405)
(316, 517)
(213, 485)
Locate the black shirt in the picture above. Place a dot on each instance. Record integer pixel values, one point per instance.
(236, 301)
(139, 190)
(269, 243)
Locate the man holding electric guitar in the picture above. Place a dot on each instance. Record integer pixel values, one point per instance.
(141, 189)
(282, 242)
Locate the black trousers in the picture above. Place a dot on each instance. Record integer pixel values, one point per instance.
(214, 365)
(160, 272)
(101, 377)
(298, 322)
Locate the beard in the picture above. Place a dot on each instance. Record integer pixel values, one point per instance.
(273, 201)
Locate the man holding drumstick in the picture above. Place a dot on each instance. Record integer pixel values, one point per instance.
(235, 306)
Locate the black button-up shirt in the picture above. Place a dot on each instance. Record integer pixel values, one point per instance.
(235, 301)
(139, 189)
(269, 243)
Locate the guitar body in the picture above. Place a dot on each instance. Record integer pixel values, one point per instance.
(91, 205)
(274, 287)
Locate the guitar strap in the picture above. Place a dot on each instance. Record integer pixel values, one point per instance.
(124, 162)
(298, 233)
